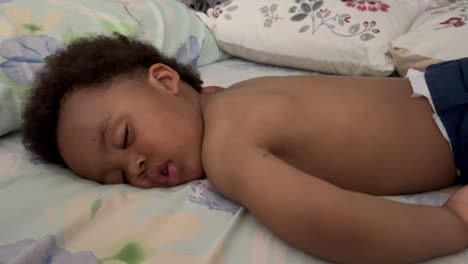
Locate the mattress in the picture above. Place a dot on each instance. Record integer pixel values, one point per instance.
(43, 204)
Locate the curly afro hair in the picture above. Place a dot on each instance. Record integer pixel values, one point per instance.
(86, 62)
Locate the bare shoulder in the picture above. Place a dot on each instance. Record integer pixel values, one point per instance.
(232, 135)
(242, 112)
(237, 109)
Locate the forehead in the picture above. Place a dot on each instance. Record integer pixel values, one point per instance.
(85, 108)
(82, 115)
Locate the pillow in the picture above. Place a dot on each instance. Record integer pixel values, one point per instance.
(202, 5)
(31, 30)
(333, 36)
(437, 35)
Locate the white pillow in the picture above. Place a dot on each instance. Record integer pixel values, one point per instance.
(333, 36)
(437, 35)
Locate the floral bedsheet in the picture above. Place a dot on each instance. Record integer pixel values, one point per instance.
(51, 216)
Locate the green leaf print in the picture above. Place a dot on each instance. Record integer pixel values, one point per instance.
(306, 8)
(299, 17)
(354, 28)
(32, 28)
(366, 37)
(95, 207)
(118, 28)
(317, 5)
(334, 22)
(304, 28)
(343, 16)
(231, 8)
(131, 253)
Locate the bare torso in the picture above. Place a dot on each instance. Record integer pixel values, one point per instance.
(362, 134)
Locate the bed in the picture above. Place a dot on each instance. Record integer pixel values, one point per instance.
(45, 204)
(48, 215)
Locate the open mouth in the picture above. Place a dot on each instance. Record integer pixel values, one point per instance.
(166, 174)
(163, 174)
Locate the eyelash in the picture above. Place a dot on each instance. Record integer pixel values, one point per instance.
(124, 145)
(125, 140)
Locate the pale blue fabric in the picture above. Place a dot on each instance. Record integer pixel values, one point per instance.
(42, 251)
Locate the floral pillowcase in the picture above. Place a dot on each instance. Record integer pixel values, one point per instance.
(437, 35)
(340, 37)
(31, 30)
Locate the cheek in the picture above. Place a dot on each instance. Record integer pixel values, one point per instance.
(113, 179)
(189, 131)
(169, 130)
(155, 137)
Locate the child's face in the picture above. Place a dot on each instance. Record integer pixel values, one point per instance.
(147, 133)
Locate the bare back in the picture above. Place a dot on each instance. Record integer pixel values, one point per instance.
(362, 134)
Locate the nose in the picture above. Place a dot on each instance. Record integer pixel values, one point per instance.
(136, 165)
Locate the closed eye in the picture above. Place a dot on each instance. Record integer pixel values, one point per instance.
(125, 139)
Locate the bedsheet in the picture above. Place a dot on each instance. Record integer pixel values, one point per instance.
(43, 204)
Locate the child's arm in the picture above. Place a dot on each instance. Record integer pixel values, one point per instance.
(332, 223)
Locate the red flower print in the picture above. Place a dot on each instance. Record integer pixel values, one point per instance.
(368, 5)
(454, 21)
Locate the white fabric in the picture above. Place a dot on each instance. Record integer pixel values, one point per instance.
(419, 85)
(439, 34)
(9, 111)
(328, 36)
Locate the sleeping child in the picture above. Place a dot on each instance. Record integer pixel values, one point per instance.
(307, 155)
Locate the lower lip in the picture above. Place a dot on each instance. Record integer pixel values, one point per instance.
(173, 177)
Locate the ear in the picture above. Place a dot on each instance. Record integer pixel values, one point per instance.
(161, 75)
